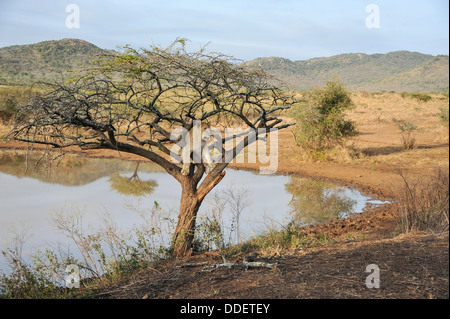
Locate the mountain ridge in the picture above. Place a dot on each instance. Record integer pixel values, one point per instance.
(360, 71)
(393, 71)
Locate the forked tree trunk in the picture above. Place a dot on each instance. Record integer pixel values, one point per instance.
(191, 199)
(185, 230)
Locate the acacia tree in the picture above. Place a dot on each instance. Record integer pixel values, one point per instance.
(130, 102)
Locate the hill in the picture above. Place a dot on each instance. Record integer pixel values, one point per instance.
(430, 76)
(44, 61)
(394, 71)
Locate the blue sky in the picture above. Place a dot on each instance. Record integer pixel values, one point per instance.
(246, 29)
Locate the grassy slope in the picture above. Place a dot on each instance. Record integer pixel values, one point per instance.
(48, 60)
(394, 71)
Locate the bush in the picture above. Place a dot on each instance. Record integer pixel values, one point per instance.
(8, 109)
(421, 97)
(108, 255)
(443, 115)
(320, 119)
(424, 204)
(408, 137)
(10, 98)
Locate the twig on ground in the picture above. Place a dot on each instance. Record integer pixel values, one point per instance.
(246, 265)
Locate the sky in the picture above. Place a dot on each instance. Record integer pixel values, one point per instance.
(245, 29)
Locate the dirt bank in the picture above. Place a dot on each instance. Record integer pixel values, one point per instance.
(410, 266)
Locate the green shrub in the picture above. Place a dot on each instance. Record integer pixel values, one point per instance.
(443, 115)
(10, 98)
(407, 130)
(320, 119)
(422, 97)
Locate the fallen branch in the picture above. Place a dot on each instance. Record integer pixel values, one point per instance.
(246, 265)
(193, 264)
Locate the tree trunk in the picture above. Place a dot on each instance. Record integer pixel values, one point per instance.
(191, 199)
(185, 230)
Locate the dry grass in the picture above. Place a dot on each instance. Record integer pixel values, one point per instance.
(424, 203)
(381, 141)
(389, 108)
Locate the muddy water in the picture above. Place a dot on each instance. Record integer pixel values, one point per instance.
(34, 189)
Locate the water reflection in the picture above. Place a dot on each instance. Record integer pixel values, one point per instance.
(317, 201)
(75, 170)
(133, 185)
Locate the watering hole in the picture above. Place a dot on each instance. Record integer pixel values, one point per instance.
(35, 190)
